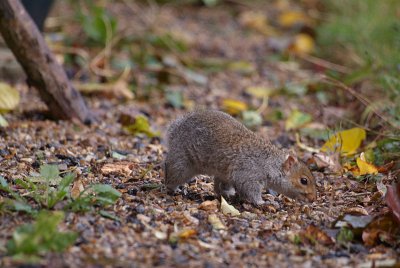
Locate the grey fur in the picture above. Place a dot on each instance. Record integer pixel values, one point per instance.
(214, 143)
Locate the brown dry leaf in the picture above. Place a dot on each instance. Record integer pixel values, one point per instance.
(392, 199)
(384, 229)
(356, 211)
(77, 188)
(386, 168)
(216, 222)
(119, 168)
(209, 205)
(314, 234)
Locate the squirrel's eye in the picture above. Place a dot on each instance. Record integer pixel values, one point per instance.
(304, 181)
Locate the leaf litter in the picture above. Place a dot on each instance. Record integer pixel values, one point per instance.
(121, 157)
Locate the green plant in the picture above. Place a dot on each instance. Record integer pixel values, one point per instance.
(95, 195)
(365, 34)
(98, 24)
(345, 236)
(49, 188)
(33, 240)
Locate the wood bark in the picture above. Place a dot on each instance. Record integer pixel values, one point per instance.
(43, 71)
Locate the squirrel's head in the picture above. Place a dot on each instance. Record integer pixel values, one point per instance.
(301, 181)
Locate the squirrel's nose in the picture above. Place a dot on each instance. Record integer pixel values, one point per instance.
(312, 196)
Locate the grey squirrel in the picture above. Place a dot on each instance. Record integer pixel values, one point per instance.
(214, 143)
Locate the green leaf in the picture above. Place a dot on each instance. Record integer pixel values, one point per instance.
(109, 215)
(49, 172)
(99, 25)
(40, 237)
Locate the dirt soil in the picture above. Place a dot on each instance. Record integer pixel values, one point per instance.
(157, 229)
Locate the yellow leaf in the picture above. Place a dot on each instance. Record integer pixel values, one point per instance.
(365, 167)
(291, 18)
(187, 233)
(259, 92)
(228, 209)
(233, 107)
(302, 44)
(346, 142)
(9, 97)
(216, 222)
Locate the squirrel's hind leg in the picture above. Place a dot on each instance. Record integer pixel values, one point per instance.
(177, 171)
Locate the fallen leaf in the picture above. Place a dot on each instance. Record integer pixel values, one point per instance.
(228, 209)
(251, 119)
(259, 92)
(392, 199)
(243, 67)
(291, 18)
(175, 98)
(302, 44)
(233, 107)
(346, 142)
(141, 126)
(118, 168)
(356, 211)
(160, 235)
(3, 121)
(77, 188)
(365, 168)
(384, 229)
(256, 20)
(187, 233)
(209, 205)
(382, 189)
(313, 234)
(297, 119)
(9, 97)
(357, 221)
(216, 222)
(386, 168)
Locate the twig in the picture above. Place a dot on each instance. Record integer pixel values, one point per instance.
(326, 64)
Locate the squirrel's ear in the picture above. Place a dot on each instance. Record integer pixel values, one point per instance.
(289, 162)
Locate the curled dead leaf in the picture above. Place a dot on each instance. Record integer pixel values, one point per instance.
(209, 205)
(392, 199)
(228, 209)
(119, 168)
(314, 235)
(77, 188)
